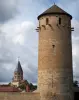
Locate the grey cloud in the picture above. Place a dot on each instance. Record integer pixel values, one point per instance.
(31, 75)
(5, 75)
(6, 59)
(67, 1)
(6, 55)
(10, 51)
(71, 6)
(76, 69)
(28, 52)
(75, 49)
(8, 9)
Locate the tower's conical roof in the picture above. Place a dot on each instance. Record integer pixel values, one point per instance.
(19, 68)
(54, 10)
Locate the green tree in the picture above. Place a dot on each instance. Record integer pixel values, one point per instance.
(75, 83)
(32, 87)
(26, 82)
(22, 86)
(9, 84)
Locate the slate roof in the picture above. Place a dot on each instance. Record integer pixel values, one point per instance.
(54, 10)
(19, 68)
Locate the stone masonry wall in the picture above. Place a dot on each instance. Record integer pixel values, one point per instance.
(55, 76)
(19, 96)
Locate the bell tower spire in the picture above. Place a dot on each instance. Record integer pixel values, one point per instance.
(18, 73)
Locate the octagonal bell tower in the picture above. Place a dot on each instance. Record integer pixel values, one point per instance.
(55, 74)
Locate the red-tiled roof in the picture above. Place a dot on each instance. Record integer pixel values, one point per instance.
(8, 89)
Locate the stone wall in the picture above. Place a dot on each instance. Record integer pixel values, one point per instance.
(55, 75)
(19, 96)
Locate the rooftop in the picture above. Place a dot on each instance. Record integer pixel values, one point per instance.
(54, 10)
(19, 68)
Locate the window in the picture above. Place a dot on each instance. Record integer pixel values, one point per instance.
(47, 21)
(53, 46)
(54, 49)
(59, 20)
(15, 73)
(18, 73)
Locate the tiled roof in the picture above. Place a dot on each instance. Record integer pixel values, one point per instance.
(54, 10)
(19, 68)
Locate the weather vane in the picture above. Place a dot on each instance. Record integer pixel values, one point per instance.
(18, 58)
(54, 2)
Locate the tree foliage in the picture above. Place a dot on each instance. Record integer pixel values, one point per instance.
(31, 86)
(75, 83)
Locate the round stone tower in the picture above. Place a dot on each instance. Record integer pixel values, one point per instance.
(55, 74)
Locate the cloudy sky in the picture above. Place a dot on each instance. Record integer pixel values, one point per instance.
(18, 21)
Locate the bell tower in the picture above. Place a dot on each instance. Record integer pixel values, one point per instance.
(55, 74)
(18, 75)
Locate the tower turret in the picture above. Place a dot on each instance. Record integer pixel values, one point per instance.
(18, 73)
(55, 74)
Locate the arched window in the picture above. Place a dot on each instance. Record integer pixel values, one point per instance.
(47, 21)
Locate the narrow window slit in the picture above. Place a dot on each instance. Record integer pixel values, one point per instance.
(47, 21)
(54, 49)
(59, 20)
(53, 46)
